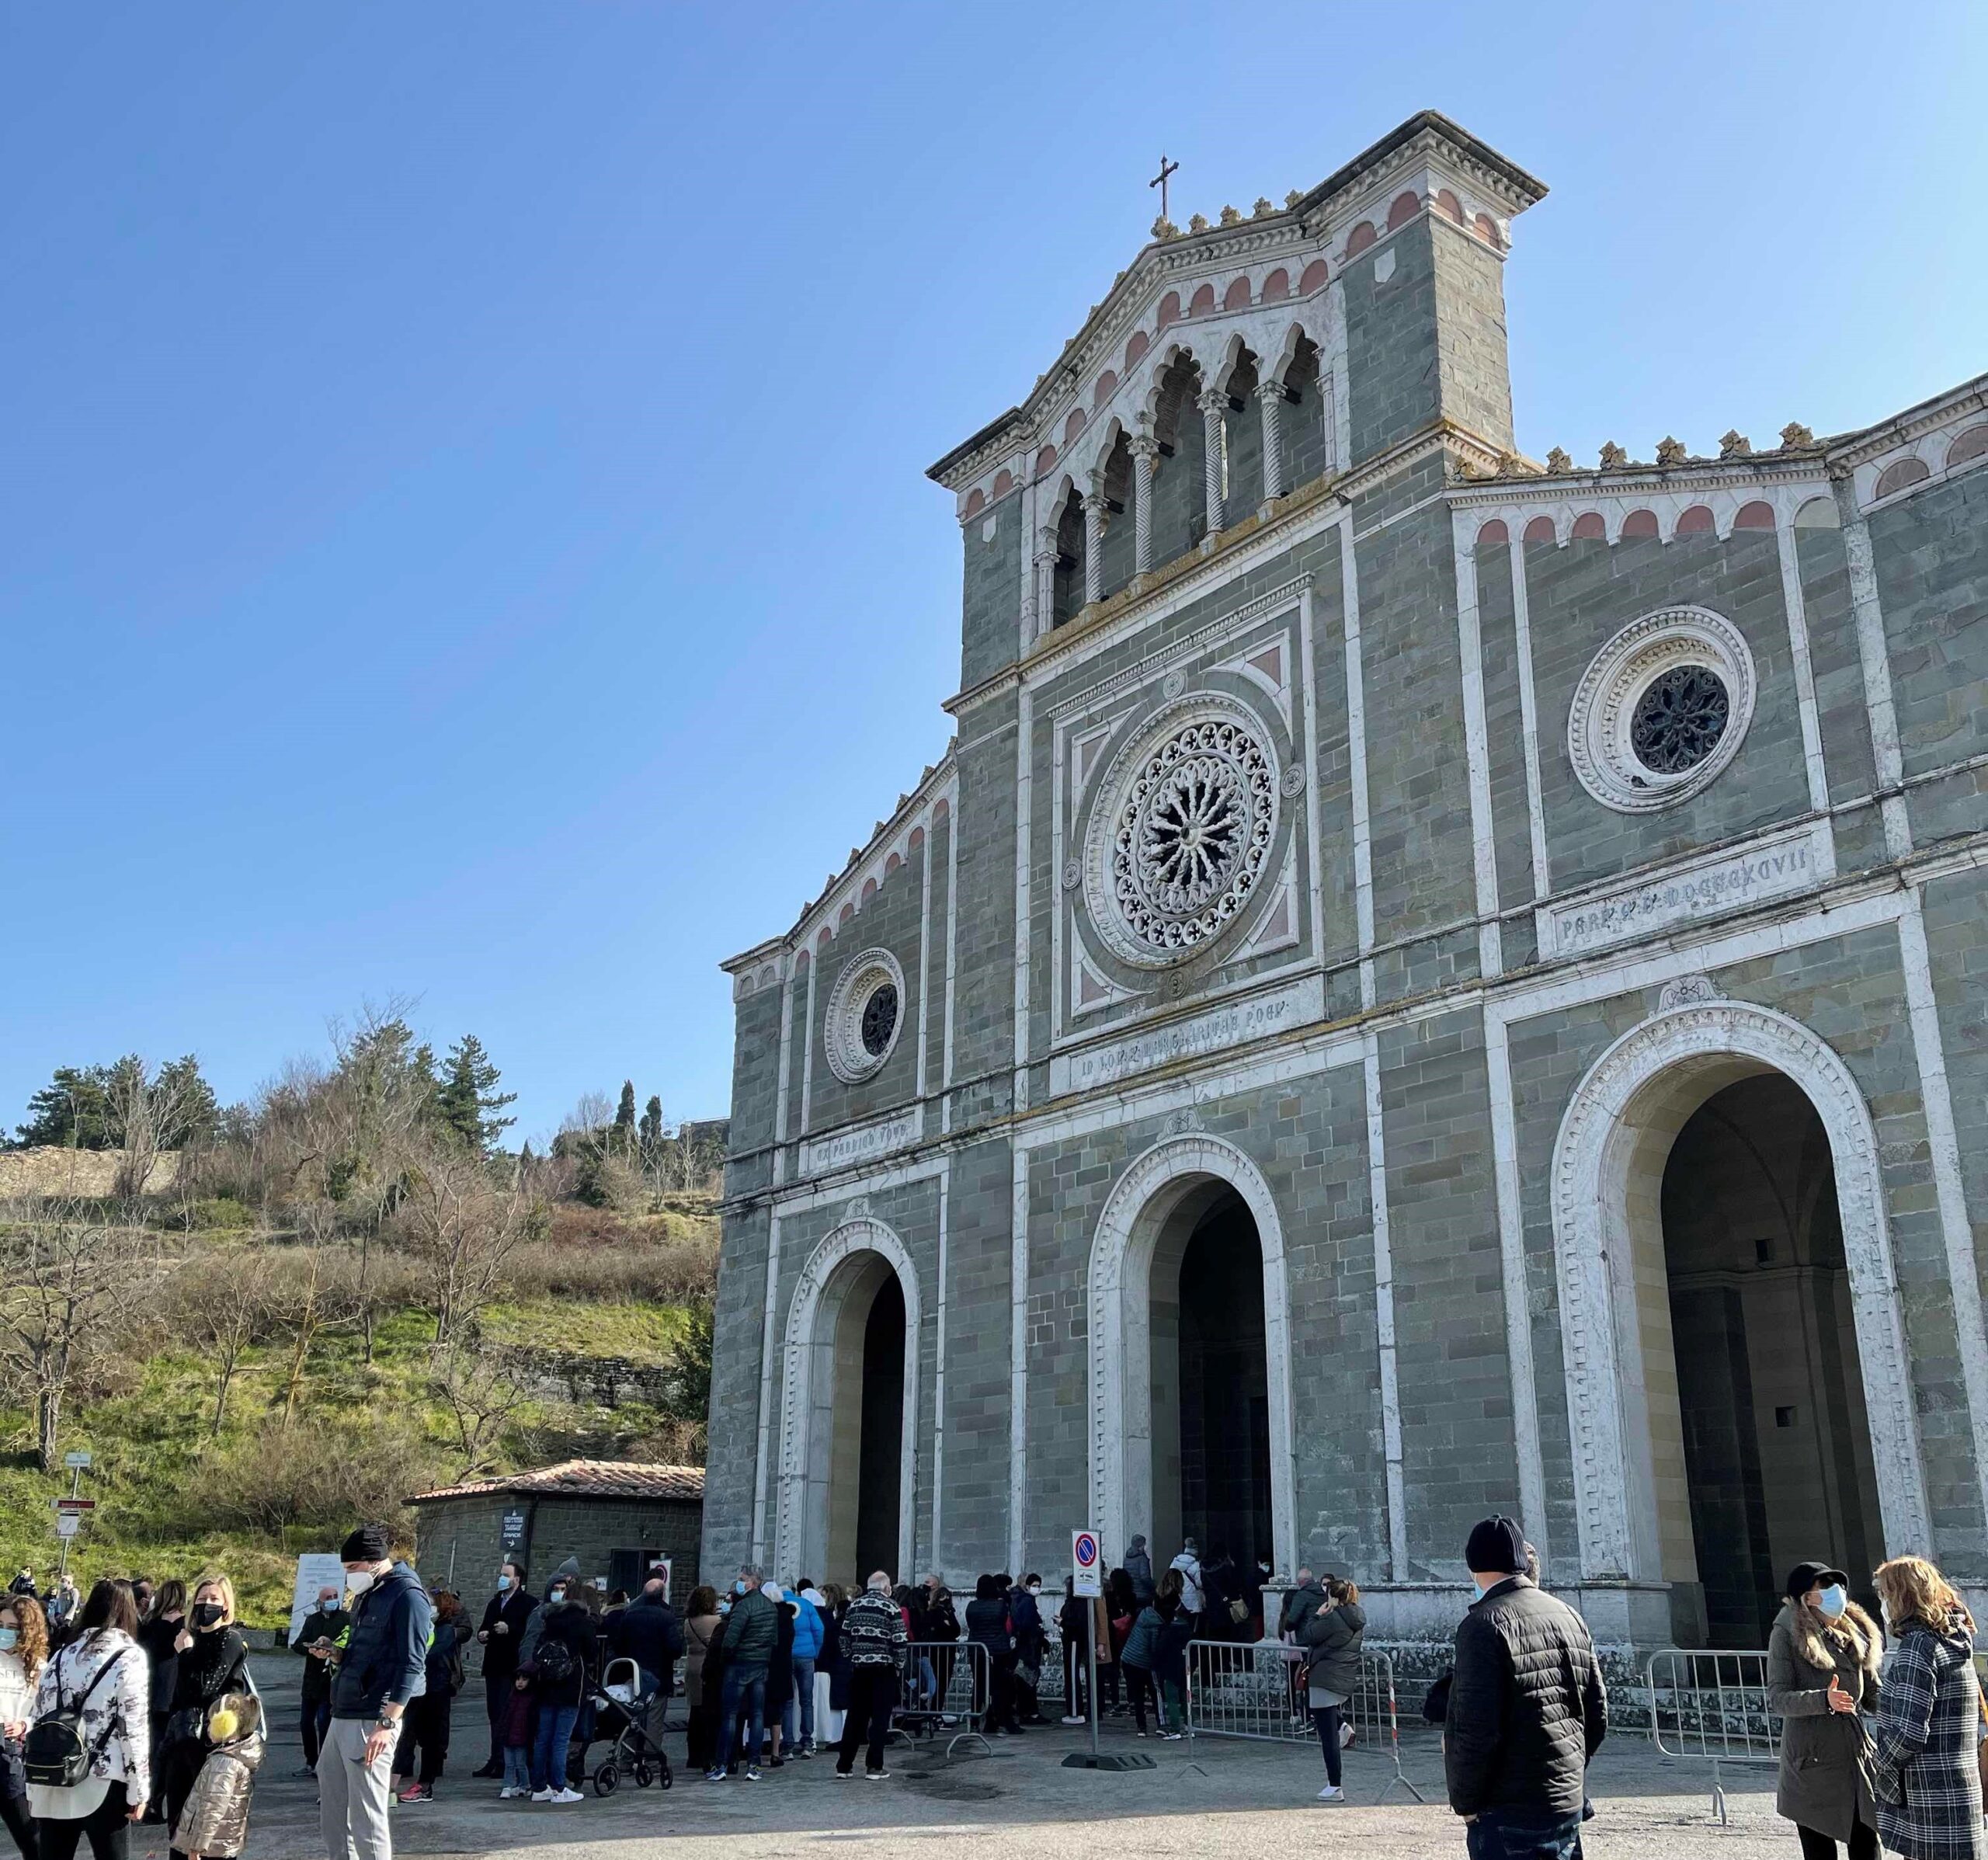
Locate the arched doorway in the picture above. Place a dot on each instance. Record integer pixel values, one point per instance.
(1775, 1444)
(1191, 1419)
(848, 1455)
(1713, 1170)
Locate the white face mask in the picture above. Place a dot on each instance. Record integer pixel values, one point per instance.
(358, 1581)
(1833, 1601)
(1035, 1588)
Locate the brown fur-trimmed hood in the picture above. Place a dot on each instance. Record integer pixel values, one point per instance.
(1856, 1630)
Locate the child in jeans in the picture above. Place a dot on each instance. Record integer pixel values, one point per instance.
(517, 1748)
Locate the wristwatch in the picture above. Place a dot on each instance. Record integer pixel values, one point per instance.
(387, 1724)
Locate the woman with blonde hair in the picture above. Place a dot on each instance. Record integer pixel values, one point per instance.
(23, 1653)
(1822, 1659)
(210, 1665)
(1924, 1769)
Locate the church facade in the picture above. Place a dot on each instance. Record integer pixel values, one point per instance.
(1426, 983)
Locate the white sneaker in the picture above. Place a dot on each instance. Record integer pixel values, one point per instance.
(1331, 1792)
(567, 1796)
(508, 1794)
(1072, 1718)
(542, 1796)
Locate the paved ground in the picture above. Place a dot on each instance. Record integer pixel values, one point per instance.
(1216, 1798)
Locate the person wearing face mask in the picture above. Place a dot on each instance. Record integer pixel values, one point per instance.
(383, 1665)
(157, 1634)
(1823, 1660)
(317, 1640)
(504, 1616)
(210, 1658)
(23, 1653)
(1527, 1710)
(1031, 1640)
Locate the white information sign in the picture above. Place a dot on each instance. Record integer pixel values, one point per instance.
(1087, 1562)
(68, 1523)
(315, 1569)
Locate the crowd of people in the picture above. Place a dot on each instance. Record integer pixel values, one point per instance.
(135, 1703)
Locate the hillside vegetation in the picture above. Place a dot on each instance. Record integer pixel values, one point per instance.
(346, 1295)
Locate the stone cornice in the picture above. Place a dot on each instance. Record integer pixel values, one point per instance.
(1763, 469)
(1848, 450)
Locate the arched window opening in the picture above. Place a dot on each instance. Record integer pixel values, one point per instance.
(1180, 505)
(1069, 589)
(1242, 451)
(1307, 439)
(1117, 552)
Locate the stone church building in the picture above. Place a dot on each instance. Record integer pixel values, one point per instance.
(1426, 983)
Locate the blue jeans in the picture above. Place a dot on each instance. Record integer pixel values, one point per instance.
(1514, 1833)
(801, 1705)
(744, 1690)
(548, 1752)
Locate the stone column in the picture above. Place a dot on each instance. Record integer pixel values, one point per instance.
(1214, 403)
(1045, 579)
(1146, 456)
(1094, 543)
(1269, 397)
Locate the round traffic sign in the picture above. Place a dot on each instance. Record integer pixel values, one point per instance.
(1085, 1545)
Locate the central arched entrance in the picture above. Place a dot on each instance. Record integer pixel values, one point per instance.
(1189, 1355)
(1738, 1396)
(848, 1415)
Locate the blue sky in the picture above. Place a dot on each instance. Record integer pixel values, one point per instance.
(465, 527)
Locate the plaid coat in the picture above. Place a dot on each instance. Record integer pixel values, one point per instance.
(1923, 1769)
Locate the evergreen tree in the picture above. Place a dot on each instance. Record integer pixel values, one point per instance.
(622, 1135)
(652, 1130)
(466, 1101)
(73, 1111)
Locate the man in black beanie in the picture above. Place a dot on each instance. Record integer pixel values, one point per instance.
(384, 1664)
(1527, 1708)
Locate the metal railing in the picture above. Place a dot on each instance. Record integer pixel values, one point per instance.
(1707, 1707)
(1256, 1689)
(944, 1685)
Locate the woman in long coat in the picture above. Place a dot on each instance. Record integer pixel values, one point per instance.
(1925, 1766)
(1823, 1659)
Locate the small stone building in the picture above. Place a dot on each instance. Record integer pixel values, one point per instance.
(616, 1517)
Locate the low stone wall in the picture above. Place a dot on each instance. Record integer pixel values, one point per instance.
(52, 1170)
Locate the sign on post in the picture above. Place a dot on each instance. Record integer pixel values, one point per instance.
(664, 1566)
(1087, 1562)
(80, 1457)
(67, 1523)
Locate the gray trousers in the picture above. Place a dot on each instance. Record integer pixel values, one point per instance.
(352, 1793)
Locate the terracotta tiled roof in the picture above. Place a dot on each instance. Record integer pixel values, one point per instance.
(586, 1479)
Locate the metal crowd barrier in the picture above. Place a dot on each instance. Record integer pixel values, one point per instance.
(1712, 1707)
(1254, 1689)
(944, 1685)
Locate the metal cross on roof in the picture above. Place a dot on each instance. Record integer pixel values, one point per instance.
(1160, 181)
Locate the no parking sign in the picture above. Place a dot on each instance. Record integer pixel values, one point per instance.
(1087, 1563)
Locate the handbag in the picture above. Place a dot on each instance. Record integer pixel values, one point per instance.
(1239, 1610)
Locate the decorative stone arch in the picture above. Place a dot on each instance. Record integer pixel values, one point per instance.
(834, 1271)
(1285, 352)
(1606, 1175)
(1128, 1232)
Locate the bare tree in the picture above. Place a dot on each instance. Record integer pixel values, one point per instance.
(151, 1111)
(481, 1394)
(70, 1282)
(461, 1224)
(230, 1304)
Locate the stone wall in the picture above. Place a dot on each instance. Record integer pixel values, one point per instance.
(52, 1170)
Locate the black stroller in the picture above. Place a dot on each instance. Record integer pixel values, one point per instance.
(619, 1722)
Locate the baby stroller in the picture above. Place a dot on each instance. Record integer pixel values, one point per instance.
(620, 1714)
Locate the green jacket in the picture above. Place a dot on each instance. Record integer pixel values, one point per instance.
(750, 1630)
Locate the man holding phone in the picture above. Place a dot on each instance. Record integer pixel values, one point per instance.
(501, 1635)
(317, 1640)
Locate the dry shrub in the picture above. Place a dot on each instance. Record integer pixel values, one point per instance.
(592, 1255)
(331, 1473)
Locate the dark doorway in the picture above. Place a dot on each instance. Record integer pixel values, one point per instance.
(1777, 1447)
(1224, 1385)
(880, 1458)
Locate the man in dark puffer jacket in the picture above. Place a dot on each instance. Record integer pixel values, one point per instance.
(1527, 1711)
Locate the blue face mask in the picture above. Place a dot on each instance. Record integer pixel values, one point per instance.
(8, 1637)
(740, 1587)
(503, 1583)
(1833, 1601)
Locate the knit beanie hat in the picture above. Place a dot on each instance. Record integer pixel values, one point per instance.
(368, 1544)
(1496, 1545)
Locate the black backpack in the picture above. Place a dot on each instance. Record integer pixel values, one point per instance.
(54, 1753)
(554, 1665)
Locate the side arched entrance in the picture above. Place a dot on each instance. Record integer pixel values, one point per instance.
(1190, 1356)
(848, 1454)
(1737, 1382)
